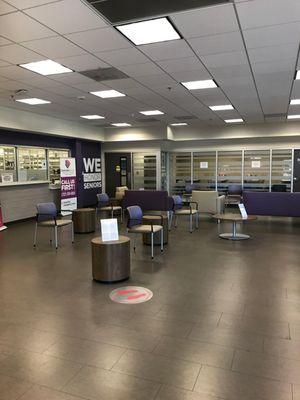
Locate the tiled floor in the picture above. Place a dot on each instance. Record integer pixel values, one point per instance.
(224, 322)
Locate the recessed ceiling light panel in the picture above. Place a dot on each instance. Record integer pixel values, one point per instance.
(298, 75)
(296, 116)
(151, 112)
(121, 124)
(46, 67)
(221, 108)
(92, 116)
(234, 121)
(33, 101)
(195, 85)
(295, 102)
(179, 124)
(108, 94)
(152, 31)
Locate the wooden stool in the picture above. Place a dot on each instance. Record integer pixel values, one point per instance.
(156, 220)
(111, 260)
(84, 220)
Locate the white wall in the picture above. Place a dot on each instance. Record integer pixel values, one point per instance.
(31, 122)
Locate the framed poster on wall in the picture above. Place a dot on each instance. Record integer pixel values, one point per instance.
(68, 185)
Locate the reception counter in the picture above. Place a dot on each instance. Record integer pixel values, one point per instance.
(18, 199)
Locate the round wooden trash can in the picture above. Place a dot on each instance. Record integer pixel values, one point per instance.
(84, 220)
(111, 260)
(156, 220)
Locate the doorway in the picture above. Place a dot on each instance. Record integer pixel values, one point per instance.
(117, 171)
(296, 184)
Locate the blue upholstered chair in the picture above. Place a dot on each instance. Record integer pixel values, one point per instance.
(135, 225)
(46, 217)
(104, 205)
(179, 210)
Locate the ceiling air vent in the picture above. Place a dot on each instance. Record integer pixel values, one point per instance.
(117, 11)
(147, 120)
(104, 74)
(275, 117)
(185, 117)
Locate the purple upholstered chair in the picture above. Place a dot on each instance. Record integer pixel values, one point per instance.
(234, 194)
(180, 210)
(46, 217)
(104, 205)
(135, 225)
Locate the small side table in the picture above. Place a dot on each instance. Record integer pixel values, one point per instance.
(84, 220)
(156, 220)
(111, 260)
(234, 218)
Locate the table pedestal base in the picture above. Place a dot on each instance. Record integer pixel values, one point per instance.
(231, 236)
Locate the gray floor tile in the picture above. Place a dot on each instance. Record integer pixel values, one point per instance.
(282, 348)
(172, 393)
(42, 393)
(160, 369)
(195, 351)
(11, 388)
(95, 383)
(235, 386)
(267, 366)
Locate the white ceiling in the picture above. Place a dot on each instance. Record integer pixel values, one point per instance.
(250, 48)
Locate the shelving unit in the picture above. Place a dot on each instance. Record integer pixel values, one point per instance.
(54, 157)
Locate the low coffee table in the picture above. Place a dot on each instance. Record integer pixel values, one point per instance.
(84, 220)
(234, 218)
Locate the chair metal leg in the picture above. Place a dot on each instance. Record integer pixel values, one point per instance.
(162, 240)
(55, 235)
(134, 242)
(176, 221)
(152, 245)
(170, 219)
(121, 216)
(35, 235)
(197, 221)
(72, 231)
(191, 223)
(50, 230)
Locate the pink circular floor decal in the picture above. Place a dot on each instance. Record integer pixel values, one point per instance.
(131, 295)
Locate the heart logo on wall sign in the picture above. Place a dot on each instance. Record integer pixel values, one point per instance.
(67, 163)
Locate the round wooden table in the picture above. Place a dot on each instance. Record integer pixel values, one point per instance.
(156, 220)
(84, 220)
(234, 218)
(111, 260)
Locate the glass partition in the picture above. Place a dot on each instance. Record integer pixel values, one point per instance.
(229, 169)
(144, 171)
(180, 172)
(281, 174)
(164, 170)
(257, 170)
(204, 169)
(32, 164)
(54, 157)
(8, 171)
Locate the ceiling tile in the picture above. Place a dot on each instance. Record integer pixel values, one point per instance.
(272, 35)
(54, 47)
(270, 67)
(156, 80)
(137, 70)
(4, 42)
(227, 42)
(22, 4)
(15, 72)
(83, 62)
(100, 40)
(206, 21)
(3, 63)
(185, 76)
(167, 50)
(71, 78)
(274, 53)
(16, 54)
(67, 16)
(181, 64)
(5, 8)
(19, 27)
(225, 59)
(235, 71)
(255, 14)
(123, 57)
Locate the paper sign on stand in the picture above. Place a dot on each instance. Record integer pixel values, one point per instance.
(68, 185)
(2, 227)
(109, 229)
(243, 211)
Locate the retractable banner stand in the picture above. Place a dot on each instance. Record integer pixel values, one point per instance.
(68, 185)
(2, 227)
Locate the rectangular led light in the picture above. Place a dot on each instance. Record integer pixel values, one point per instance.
(152, 31)
(295, 102)
(33, 101)
(234, 121)
(151, 112)
(221, 108)
(46, 67)
(179, 124)
(107, 94)
(92, 117)
(121, 124)
(296, 116)
(298, 75)
(194, 85)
